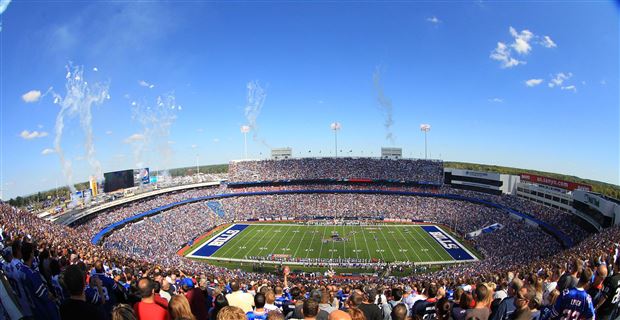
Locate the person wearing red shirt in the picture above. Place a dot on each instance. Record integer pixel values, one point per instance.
(147, 308)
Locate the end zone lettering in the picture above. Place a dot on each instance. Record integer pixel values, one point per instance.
(444, 240)
(223, 238)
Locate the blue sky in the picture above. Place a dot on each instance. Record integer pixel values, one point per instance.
(546, 98)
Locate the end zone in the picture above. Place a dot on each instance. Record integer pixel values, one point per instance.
(453, 247)
(208, 248)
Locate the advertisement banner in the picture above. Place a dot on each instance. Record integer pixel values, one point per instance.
(555, 182)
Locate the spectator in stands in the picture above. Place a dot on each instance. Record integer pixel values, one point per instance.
(218, 304)
(339, 315)
(75, 307)
(259, 312)
(370, 309)
(231, 313)
(147, 308)
(179, 308)
(310, 309)
(240, 299)
(270, 299)
(524, 298)
(481, 310)
(196, 298)
(123, 312)
(569, 279)
(399, 312)
(575, 302)
(507, 306)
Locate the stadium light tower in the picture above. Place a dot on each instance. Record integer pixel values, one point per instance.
(335, 126)
(425, 127)
(245, 129)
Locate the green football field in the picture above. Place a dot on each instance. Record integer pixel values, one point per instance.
(387, 243)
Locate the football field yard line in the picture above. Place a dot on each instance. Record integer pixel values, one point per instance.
(380, 252)
(409, 244)
(314, 232)
(251, 251)
(333, 242)
(402, 254)
(434, 246)
(291, 238)
(299, 243)
(387, 243)
(276, 233)
(357, 255)
(415, 235)
(366, 242)
(322, 237)
(378, 248)
(275, 249)
(344, 234)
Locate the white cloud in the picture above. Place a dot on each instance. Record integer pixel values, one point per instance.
(194, 146)
(559, 79)
(200, 130)
(146, 84)
(32, 135)
(502, 54)
(171, 142)
(433, 19)
(31, 96)
(570, 88)
(134, 138)
(3, 5)
(603, 82)
(95, 69)
(47, 151)
(533, 82)
(522, 40)
(216, 140)
(547, 42)
(496, 100)
(109, 132)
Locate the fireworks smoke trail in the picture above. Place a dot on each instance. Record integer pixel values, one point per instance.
(79, 99)
(156, 121)
(255, 100)
(385, 104)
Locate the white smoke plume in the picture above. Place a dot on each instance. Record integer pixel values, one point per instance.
(79, 99)
(156, 121)
(385, 104)
(254, 104)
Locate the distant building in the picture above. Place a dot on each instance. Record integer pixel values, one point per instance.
(391, 153)
(599, 210)
(481, 181)
(281, 153)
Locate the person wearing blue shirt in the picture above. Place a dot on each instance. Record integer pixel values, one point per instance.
(507, 306)
(43, 306)
(575, 303)
(259, 312)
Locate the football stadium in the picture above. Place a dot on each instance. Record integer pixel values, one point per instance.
(275, 160)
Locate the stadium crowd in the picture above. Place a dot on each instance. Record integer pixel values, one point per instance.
(50, 271)
(428, 171)
(54, 273)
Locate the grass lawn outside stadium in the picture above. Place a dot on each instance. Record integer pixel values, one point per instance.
(421, 244)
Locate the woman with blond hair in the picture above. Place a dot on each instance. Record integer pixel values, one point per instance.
(179, 308)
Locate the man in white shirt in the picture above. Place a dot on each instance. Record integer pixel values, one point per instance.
(240, 299)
